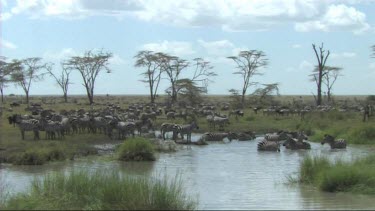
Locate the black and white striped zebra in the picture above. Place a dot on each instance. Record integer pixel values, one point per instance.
(221, 121)
(335, 144)
(276, 137)
(53, 129)
(26, 125)
(246, 136)
(265, 145)
(296, 143)
(218, 136)
(168, 127)
(185, 130)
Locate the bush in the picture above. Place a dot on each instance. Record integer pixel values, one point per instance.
(109, 191)
(362, 134)
(136, 149)
(357, 176)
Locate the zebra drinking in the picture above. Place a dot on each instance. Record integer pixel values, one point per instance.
(218, 136)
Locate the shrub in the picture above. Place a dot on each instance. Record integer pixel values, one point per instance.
(136, 149)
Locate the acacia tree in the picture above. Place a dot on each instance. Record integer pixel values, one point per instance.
(26, 71)
(202, 74)
(152, 62)
(266, 91)
(248, 65)
(62, 79)
(173, 66)
(89, 66)
(329, 78)
(4, 76)
(322, 57)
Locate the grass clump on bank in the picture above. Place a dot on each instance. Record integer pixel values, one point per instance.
(102, 191)
(357, 176)
(136, 149)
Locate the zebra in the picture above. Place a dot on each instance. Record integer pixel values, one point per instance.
(185, 129)
(218, 136)
(26, 125)
(245, 136)
(265, 145)
(294, 144)
(123, 128)
(52, 128)
(335, 144)
(144, 125)
(168, 127)
(171, 115)
(221, 121)
(281, 135)
(236, 113)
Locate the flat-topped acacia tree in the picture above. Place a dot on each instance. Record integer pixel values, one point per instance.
(26, 71)
(249, 64)
(89, 66)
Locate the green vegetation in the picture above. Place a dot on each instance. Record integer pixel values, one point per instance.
(357, 176)
(136, 149)
(98, 190)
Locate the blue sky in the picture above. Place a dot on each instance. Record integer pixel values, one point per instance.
(212, 29)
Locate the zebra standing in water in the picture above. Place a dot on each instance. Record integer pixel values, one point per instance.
(335, 144)
(185, 129)
(168, 127)
(297, 143)
(218, 136)
(265, 145)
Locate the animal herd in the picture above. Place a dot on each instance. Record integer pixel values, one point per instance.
(119, 123)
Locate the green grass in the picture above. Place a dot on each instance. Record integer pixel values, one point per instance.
(357, 176)
(102, 191)
(136, 149)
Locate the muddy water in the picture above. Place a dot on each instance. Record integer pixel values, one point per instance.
(223, 175)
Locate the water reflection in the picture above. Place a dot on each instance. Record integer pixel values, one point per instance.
(224, 175)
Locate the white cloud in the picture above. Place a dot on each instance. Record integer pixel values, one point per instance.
(372, 65)
(64, 54)
(337, 17)
(7, 44)
(230, 15)
(304, 66)
(343, 55)
(296, 46)
(218, 47)
(175, 48)
(116, 60)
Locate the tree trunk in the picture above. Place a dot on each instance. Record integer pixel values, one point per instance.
(319, 100)
(65, 97)
(27, 98)
(2, 95)
(243, 98)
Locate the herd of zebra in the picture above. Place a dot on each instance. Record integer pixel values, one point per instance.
(119, 123)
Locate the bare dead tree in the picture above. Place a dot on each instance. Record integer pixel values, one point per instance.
(89, 66)
(152, 62)
(62, 79)
(248, 65)
(26, 71)
(322, 57)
